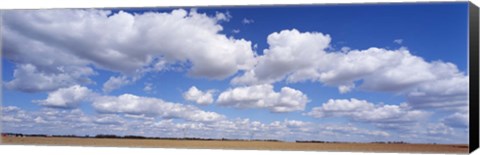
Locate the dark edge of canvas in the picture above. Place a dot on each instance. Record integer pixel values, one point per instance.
(473, 73)
(1, 72)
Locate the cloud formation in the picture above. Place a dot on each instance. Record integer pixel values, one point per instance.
(198, 96)
(289, 52)
(295, 56)
(263, 96)
(29, 78)
(75, 121)
(398, 41)
(247, 21)
(457, 120)
(362, 110)
(69, 97)
(115, 83)
(77, 39)
(137, 105)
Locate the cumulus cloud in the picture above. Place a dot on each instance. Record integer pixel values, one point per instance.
(69, 97)
(290, 52)
(57, 121)
(108, 119)
(39, 120)
(198, 96)
(137, 105)
(457, 120)
(115, 83)
(13, 114)
(295, 56)
(29, 78)
(263, 96)
(148, 87)
(346, 88)
(74, 121)
(293, 130)
(362, 110)
(449, 91)
(120, 42)
(398, 41)
(351, 129)
(247, 21)
(438, 129)
(64, 121)
(219, 16)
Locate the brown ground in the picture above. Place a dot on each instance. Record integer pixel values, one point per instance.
(241, 145)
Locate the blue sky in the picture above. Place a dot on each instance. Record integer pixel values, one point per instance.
(323, 72)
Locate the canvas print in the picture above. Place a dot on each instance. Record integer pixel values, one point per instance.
(351, 77)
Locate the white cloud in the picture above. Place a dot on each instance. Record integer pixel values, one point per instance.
(263, 96)
(400, 122)
(137, 105)
(448, 92)
(11, 119)
(39, 120)
(381, 70)
(29, 78)
(457, 120)
(235, 31)
(148, 87)
(290, 52)
(13, 114)
(115, 83)
(55, 121)
(219, 16)
(296, 56)
(108, 119)
(9, 109)
(404, 72)
(398, 41)
(361, 110)
(64, 121)
(346, 88)
(120, 42)
(69, 97)
(351, 129)
(198, 96)
(438, 129)
(247, 21)
(345, 49)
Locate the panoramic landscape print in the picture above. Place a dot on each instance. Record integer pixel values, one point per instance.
(370, 77)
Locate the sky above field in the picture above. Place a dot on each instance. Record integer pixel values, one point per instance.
(361, 73)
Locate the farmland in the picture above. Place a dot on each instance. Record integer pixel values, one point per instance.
(237, 145)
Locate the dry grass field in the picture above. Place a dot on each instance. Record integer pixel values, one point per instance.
(240, 145)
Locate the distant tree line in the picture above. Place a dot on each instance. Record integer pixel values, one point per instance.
(390, 142)
(39, 135)
(377, 142)
(178, 138)
(316, 141)
(12, 135)
(132, 137)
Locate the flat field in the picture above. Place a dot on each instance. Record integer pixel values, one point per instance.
(238, 145)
